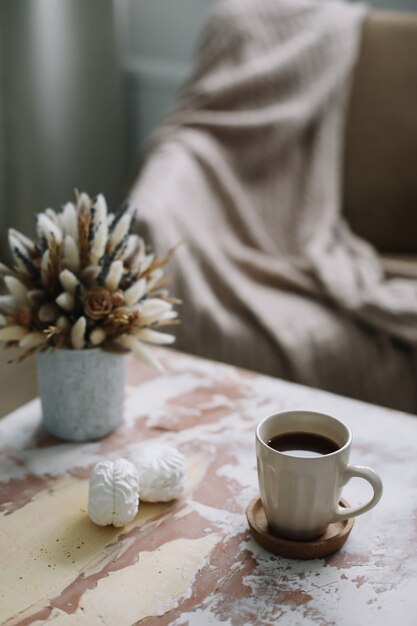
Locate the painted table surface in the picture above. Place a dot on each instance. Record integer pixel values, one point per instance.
(193, 561)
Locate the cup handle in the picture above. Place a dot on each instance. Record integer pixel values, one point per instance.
(357, 471)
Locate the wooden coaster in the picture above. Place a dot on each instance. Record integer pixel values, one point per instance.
(331, 540)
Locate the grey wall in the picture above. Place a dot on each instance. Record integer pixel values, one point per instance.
(157, 39)
(60, 103)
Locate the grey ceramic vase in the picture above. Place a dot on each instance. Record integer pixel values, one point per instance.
(82, 392)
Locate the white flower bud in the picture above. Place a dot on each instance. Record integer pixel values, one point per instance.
(156, 277)
(52, 216)
(17, 289)
(153, 336)
(48, 228)
(121, 229)
(32, 340)
(13, 333)
(69, 281)
(98, 245)
(139, 351)
(153, 307)
(135, 292)
(62, 322)
(97, 336)
(78, 332)
(101, 208)
(114, 276)
(66, 301)
(70, 220)
(71, 254)
(84, 202)
(24, 241)
(18, 250)
(45, 268)
(132, 244)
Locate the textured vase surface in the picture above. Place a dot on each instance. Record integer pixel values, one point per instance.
(82, 392)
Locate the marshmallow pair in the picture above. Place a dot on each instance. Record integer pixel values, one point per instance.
(153, 472)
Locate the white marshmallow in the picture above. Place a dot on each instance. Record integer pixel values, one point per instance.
(161, 470)
(114, 493)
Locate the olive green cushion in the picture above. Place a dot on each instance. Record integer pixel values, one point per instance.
(380, 178)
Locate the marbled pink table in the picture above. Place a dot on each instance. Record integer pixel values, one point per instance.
(193, 561)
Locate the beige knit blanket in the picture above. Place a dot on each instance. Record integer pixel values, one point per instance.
(246, 171)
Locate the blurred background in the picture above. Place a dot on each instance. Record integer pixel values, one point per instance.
(82, 85)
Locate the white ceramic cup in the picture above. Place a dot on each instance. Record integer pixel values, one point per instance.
(301, 495)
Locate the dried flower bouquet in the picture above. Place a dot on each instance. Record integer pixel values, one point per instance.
(87, 281)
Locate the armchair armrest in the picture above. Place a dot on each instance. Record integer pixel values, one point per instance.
(400, 265)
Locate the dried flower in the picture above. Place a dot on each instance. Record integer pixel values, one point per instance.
(70, 221)
(118, 299)
(114, 275)
(16, 289)
(62, 322)
(65, 301)
(135, 292)
(77, 333)
(48, 228)
(97, 336)
(68, 281)
(139, 350)
(87, 281)
(71, 254)
(32, 340)
(13, 333)
(97, 303)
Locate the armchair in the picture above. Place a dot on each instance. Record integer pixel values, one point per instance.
(380, 177)
(322, 346)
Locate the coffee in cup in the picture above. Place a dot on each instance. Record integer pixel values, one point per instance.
(303, 463)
